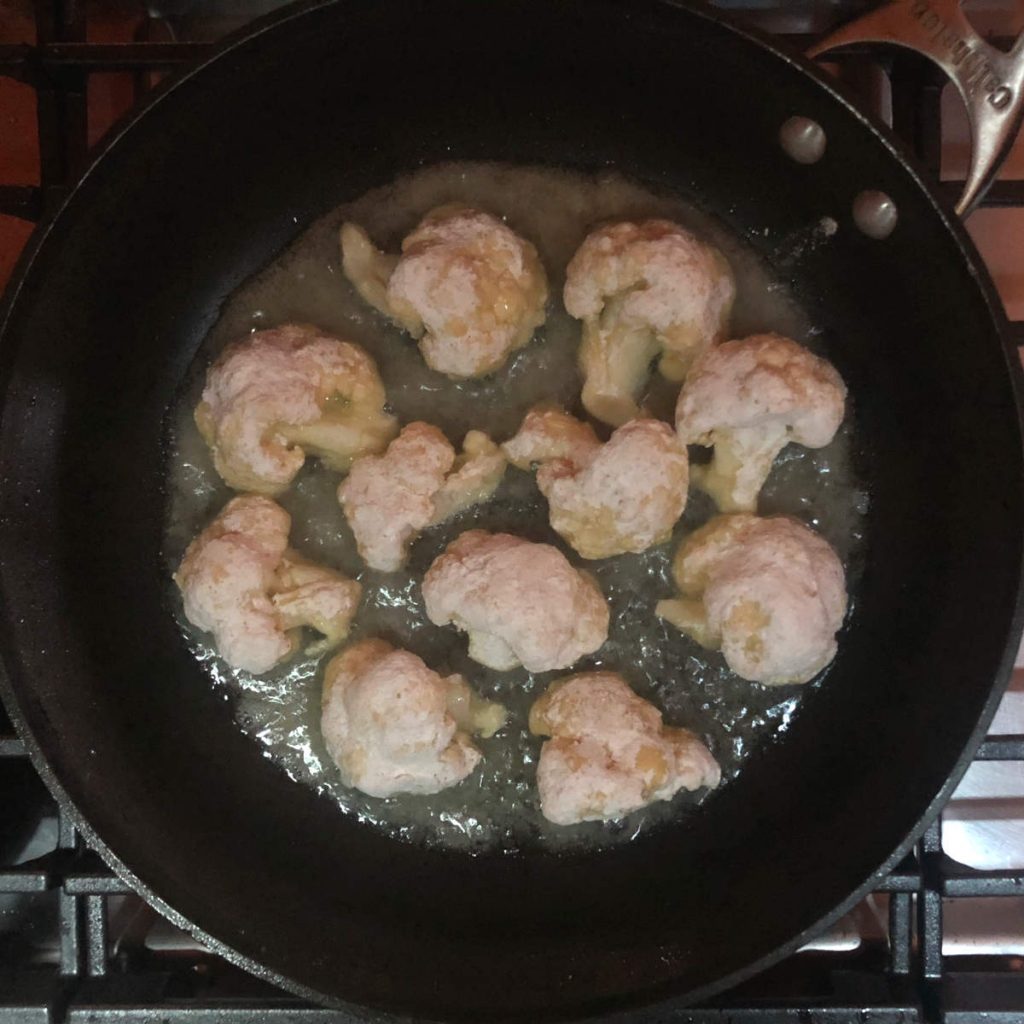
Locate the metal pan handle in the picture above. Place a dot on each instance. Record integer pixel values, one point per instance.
(991, 82)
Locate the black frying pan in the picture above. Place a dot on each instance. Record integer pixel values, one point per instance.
(201, 190)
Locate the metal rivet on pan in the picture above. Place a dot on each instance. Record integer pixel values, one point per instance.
(875, 214)
(803, 140)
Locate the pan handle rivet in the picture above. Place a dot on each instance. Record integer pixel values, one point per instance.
(803, 140)
(875, 214)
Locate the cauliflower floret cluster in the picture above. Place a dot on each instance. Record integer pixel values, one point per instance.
(392, 725)
(240, 581)
(622, 496)
(769, 592)
(521, 603)
(642, 290)
(467, 286)
(749, 399)
(609, 752)
(418, 482)
(280, 395)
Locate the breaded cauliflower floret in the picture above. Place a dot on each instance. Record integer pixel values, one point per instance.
(548, 433)
(418, 482)
(280, 395)
(642, 290)
(392, 725)
(622, 496)
(769, 592)
(468, 287)
(749, 399)
(521, 603)
(240, 581)
(609, 752)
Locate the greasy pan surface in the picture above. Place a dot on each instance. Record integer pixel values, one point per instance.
(201, 191)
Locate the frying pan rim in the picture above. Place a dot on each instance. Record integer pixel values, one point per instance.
(941, 208)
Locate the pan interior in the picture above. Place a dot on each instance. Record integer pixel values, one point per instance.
(497, 805)
(219, 177)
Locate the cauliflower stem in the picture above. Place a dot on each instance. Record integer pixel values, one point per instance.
(474, 477)
(742, 461)
(367, 268)
(343, 434)
(306, 594)
(472, 713)
(689, 617)
(615, 361)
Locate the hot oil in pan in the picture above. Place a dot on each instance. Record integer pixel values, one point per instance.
(497, 805)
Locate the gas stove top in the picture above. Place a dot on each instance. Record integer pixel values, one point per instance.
(943, 937)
